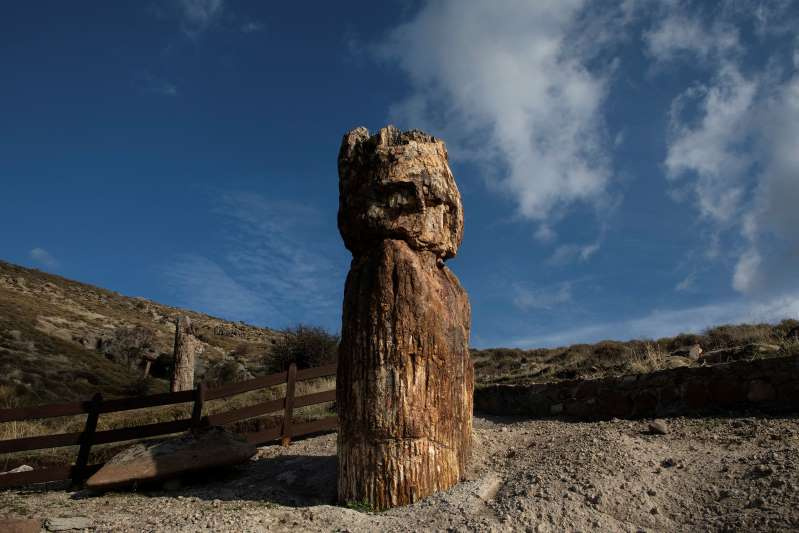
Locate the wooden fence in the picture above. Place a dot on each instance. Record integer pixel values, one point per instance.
(97, 406)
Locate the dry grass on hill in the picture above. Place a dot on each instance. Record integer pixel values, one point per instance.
(608, 358)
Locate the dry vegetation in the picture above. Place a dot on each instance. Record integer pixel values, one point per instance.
(607, 358)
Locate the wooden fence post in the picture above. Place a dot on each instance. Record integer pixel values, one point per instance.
(288, 405)
(86, 439)
(199, 400)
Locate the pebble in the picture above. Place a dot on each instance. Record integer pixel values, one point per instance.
(658, 427)
(763, 470)
(756, 502)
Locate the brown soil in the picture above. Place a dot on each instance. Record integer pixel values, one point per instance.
(705, 474)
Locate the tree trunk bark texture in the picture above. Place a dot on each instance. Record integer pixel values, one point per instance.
(186, 347)
(405, 378)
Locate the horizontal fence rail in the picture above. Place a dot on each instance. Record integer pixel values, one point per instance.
(93, 408)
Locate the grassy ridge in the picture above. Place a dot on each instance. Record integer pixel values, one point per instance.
(514, 365)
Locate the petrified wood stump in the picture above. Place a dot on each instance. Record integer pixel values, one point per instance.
(186, 348)
(405, 378)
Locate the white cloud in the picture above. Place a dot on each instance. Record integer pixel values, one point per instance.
(43, 257)
(526, 298)
(198, 15)
(712, 151)
(679, 33)
(771, 226)
(741, 155)
(507, 84)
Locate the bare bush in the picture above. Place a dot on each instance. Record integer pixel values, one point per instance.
(129, 345)
(307, 346)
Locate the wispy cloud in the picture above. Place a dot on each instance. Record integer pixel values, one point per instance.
(514, 75)
(667, 322)
(251, 26)
(687, 283)
(734, 143)
(43, 258)
(202, 284)
(542, 298)
(196, 16)
(160, 86)
(271, 266)
(567, 253)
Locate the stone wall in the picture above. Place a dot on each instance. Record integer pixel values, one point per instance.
(768, 384)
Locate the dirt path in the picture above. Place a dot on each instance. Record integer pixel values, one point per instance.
(711, 474)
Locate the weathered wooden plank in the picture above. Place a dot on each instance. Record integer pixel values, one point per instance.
(108, 406)
(323, 424)
(315, 398)
(318, 372)
(43, 411)
(40, 442)
(141, 402)
(245, 386)
(262, 437)
(142, 432)
(155, 400)
(234, 415)
(40, 475)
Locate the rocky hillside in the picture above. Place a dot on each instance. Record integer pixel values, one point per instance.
(60, 339)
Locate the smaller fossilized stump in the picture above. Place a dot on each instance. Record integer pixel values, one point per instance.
(187, 347)
(405, 379)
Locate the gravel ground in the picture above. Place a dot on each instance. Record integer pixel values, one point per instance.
(705, 474)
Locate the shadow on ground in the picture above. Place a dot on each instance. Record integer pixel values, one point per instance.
(291, 480)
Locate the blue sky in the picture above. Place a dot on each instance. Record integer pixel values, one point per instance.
(628, 169)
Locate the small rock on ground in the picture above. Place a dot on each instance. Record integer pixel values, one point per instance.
(67, 523)
(658, 426)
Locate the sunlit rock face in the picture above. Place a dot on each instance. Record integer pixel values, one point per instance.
(405, 379)
(398, 185)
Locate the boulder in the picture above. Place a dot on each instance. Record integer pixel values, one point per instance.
(169, 458)
(691, 352)
(658, 427)
(18, 470)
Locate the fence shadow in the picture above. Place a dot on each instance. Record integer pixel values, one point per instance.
(290, 480)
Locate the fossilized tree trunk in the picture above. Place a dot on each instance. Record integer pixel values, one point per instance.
(405, 378)
(186, 347)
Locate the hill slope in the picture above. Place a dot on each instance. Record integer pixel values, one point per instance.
(61, 339)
